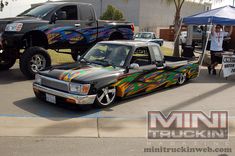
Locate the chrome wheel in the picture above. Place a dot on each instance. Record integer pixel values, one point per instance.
(37, 63)
(182, 78)
(106, 96)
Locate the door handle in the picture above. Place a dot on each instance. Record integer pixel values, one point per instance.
(77, 25)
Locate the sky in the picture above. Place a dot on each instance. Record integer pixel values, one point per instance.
(220, 3)
(15, 7)
(18, 6)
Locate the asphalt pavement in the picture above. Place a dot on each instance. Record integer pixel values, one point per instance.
(28, 125)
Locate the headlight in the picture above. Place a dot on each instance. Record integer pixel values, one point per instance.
(14, 27)
(82, 89)
(38, 79)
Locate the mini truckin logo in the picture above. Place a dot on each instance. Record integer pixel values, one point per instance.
(188, 125)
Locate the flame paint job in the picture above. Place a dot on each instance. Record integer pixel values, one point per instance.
(77, 73)
(131, 83)
(83, 36)
(146, 82)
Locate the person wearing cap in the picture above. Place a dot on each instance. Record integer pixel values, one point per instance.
(216, 48)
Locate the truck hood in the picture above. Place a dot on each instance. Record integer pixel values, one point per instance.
(19, 19)
(84, 73)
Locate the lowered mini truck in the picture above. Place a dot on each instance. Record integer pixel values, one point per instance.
(113, 69)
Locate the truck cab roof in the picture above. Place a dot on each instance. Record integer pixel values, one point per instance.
(64, 2)
(132, 43)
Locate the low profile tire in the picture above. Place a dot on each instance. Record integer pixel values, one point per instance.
(77, 51)
(105, 97)
(33, 60)
(182, 79)
(8, 60)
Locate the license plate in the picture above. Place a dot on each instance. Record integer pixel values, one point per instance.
(50, 98)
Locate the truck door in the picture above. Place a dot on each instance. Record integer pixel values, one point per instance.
(145, 79)
(68, 19)
(88, 23)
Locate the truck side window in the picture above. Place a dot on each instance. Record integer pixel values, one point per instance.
(141, 56)
(157, 53)
(71, 12)
(86, 13)
(154, 36)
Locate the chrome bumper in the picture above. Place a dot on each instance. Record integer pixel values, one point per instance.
(79, 99)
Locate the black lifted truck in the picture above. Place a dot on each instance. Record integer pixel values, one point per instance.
(56, 26)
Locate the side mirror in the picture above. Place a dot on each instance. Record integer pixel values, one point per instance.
(160, 65)
(53, 18)
(61, 15)
(134, 66)
(78, 57)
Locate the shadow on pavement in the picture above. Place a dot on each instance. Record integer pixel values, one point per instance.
(137, 97)
(198, 98)
(204, 77)
(54, 112)
(11, 76)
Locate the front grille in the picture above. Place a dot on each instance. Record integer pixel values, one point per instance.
(55, 84)
(2, 27)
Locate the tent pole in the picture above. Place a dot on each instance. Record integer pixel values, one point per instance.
(204, 50)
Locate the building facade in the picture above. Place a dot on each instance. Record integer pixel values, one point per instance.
(148, 15)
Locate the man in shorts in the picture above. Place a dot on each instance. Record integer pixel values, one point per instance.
(217, 37)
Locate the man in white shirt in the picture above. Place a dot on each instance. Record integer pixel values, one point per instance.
(216, 48)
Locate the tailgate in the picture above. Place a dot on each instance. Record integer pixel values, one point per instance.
(176, 64)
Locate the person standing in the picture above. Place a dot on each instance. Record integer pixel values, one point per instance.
(216, 48)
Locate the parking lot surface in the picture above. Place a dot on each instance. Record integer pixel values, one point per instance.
(22, 115)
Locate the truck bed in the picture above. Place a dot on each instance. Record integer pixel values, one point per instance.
(172, 61)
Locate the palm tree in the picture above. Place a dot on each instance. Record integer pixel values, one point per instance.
(178, 6)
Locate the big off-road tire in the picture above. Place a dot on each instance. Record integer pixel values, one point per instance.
(7, 59)
(78, 51)
(33, 60)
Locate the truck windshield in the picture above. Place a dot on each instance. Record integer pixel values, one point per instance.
(39, 11)
(143, 35)
(108, 54)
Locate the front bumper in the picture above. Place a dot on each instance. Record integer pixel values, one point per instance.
(62, 96)
(11, 40)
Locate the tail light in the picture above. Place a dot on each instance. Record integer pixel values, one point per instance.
(132, 27)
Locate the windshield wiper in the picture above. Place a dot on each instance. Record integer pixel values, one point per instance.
(105, 63)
